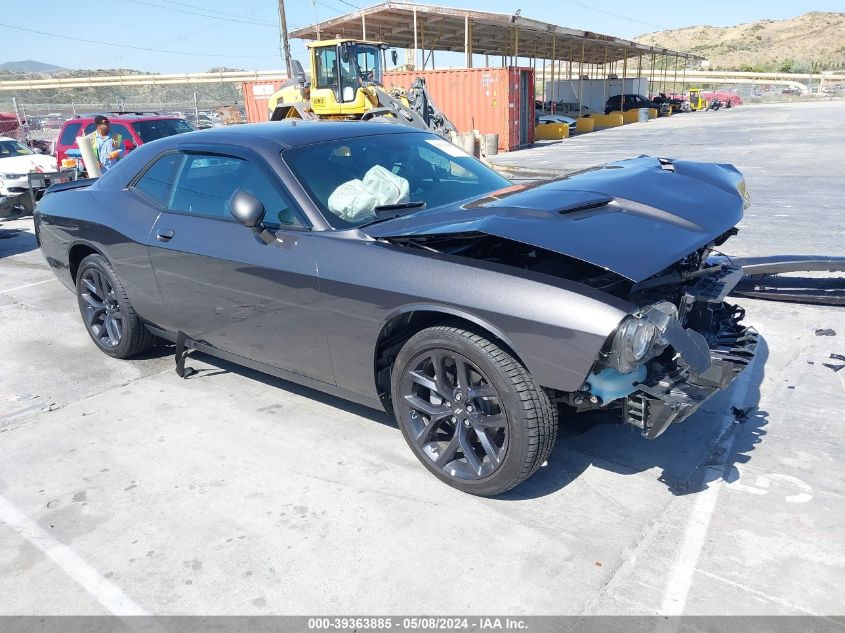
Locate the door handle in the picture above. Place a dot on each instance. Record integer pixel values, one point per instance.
(164, 235)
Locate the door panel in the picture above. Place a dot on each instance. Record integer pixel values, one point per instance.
(223, 286)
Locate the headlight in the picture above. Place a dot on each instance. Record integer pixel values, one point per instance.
(632, 343)
(12, 176)
(742, 188)
(640, 336)
(641, 339)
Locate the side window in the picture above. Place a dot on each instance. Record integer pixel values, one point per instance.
(327, 68)
(278, 209)
(125, 134)
(90, 128)
(70, 133)
(157, 182)
(207, 181)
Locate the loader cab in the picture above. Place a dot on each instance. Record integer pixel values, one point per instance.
(339, 69)
(696, 102)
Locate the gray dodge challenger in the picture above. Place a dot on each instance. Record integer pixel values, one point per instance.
(383, 265)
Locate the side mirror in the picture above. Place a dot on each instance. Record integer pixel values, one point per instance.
(128, 145)
(394, 56)
(246, 208)
(298, 72)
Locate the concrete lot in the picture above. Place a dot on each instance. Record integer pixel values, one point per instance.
(125, 489)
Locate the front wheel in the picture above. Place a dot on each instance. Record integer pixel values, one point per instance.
(470, 411)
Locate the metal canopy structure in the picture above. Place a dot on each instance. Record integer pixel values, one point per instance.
(429, 28)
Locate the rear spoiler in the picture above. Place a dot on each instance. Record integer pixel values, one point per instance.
(81, 183)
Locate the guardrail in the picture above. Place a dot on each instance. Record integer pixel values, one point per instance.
(140, 80)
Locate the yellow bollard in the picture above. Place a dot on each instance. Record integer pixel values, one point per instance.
(652, 113)
(551, 131)
(631, 116)
(584, 125)
(614, 119)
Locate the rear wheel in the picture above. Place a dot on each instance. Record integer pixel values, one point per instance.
(107, 312)
(470, 411)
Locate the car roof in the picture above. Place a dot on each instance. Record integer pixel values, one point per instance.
(292, 133)
(124, 118)
(7, 138)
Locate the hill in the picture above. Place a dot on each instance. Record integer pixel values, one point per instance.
(117, 96)
(30, 66)
(812, 41)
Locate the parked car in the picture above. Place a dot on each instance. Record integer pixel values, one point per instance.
(623, 103)
(17, 161)
(136, 129)
(381, 264)
(546, 119)
(201, 121)
(566, 108)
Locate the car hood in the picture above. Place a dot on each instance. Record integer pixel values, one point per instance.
(26, 164)
(632, 217)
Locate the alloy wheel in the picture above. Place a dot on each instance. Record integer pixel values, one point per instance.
(454, 415)
(101, 309)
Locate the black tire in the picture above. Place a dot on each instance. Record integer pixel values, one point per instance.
(466, 447)
(101, 297)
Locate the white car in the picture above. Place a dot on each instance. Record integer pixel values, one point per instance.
(16, 162)
(557, 118)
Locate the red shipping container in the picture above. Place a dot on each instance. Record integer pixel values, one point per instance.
(490, 100)
(256, 94)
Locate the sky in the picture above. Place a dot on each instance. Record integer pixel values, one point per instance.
(196, 35)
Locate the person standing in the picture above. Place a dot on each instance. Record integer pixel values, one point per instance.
(108, 148)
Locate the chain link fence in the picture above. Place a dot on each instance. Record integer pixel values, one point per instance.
(41, 119)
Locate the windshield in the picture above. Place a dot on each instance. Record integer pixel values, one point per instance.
(13, 148)
(349, 179)
(159, 128)
(368, 60)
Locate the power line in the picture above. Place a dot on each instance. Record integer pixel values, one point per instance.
(610, 13)
(193, 6)
(137, 48)
(323, 4)
(349, 4)
(205, 15)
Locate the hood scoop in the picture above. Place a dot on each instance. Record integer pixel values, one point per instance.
(585, 205)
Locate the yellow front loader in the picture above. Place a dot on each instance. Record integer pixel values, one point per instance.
(696, 101)
(347, 83)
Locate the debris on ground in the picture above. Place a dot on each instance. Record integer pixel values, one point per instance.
(741, 415)
(835, 367)
(826, 332)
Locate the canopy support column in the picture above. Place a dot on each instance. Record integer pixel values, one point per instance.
(416, 44)
(554, 81)
(581, 79)
(468, 41)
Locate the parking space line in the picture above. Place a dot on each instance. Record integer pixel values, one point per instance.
(37, 283)
(695, 531)
(109, 595)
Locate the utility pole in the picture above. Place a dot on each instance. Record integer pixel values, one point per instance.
(285, 43)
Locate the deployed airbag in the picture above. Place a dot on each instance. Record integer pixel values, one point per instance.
(355, 199)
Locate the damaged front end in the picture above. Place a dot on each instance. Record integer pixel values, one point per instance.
(668, 357)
